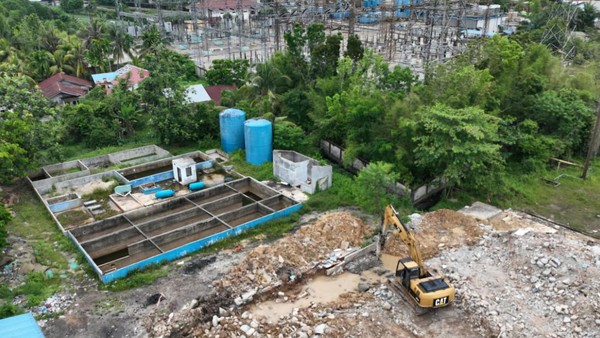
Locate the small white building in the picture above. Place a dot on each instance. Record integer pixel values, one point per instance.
(184, 170)
(301, 171)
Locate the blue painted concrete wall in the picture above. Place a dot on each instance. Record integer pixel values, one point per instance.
(197, 245)
(65, 205)
(166, 175)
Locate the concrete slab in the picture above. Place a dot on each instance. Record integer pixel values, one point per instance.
(481, 211)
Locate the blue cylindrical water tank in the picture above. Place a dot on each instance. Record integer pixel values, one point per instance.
(164, 193)
(196, 186)
(258, 134)
(232, 129)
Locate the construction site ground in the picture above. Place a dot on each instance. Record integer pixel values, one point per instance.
(515, 277)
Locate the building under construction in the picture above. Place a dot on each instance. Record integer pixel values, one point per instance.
(410, 33)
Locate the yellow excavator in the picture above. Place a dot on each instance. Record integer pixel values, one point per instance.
(412, 279)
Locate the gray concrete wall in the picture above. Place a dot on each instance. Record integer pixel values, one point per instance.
(64, 182)
(140, 247)
(208, 227)
(97, 227)
(216, 207)
(248, 184)
(119, 239)
(296, 169)
(134, 215)
(290, 167)
(200, 197)
(170, 219)
(54, 170)
(128, 155)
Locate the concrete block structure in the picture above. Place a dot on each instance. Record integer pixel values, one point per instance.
(301, 171)
(137, 230)
(184, 170)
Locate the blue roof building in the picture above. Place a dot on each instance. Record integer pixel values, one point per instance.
(21, 326)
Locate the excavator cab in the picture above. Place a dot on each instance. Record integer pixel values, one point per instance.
(407, 269)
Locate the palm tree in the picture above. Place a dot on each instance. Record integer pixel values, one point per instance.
(50, 39)
(41, 63)
(75, 55)
(152, 42)
(121, 43)
(93, 31)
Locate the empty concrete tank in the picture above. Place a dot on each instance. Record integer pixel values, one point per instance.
(231, 122)
(258, 135)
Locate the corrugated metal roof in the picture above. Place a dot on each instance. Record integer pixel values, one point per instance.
(21, 326)
(196, 93)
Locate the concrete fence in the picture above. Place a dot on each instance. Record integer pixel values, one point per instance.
(336, 153)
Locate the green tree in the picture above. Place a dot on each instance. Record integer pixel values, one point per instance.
(354, 50)
(459, 145)
(585, 17)
(24, 138)
(71, 6)
(5, 217)
(224, 71)
(288, 136)
(374, 184)
(98, 55)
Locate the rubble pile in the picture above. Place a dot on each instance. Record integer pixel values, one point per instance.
(287, 259)
(352, 315)
(441, 229)
(530, 282)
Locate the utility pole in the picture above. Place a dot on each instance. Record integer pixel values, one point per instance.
(593, 143)
(276, 25)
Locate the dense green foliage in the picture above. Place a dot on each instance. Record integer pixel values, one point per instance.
(5, 217)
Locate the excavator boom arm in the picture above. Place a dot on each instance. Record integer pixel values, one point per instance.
(391, 222)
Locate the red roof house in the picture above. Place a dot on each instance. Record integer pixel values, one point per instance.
(63, 88)
(215, 92)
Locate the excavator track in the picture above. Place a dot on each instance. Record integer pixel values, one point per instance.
(399, 290)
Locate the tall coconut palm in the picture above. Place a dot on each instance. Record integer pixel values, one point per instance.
(121, 43)
(93, 31)
(41, 63)
(152, 42)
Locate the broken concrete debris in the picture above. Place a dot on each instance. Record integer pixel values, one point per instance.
(542, 283)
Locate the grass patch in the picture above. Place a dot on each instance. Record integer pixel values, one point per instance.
(575, 202)
(72, 217)
(261, 172)
(9, 310)
(31, 221)
(49, 255)
(37, 288)
(138, 278)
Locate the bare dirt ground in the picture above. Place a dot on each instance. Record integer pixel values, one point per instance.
(515, 277)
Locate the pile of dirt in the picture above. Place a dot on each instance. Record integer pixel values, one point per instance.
(439, 229)
(289, 258)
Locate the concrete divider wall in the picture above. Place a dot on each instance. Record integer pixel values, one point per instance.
(183, 215)
(211, 192)
(65, 205)
(167, 175)
(113, 239)
(247, 184)
(85, 254)
(134, 215)
(214, 206)
(55, 169)
(98, 161)
(77, 182)
(278, 202)
(140, 246)
(188, 231)
(99, 226)
(126, 155)
(194, 246)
